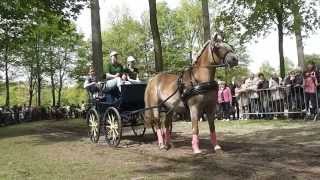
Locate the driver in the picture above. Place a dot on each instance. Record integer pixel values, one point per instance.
(115, 73)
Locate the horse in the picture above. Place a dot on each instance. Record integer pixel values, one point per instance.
(194, 92)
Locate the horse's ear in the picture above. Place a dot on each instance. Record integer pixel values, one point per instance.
(217, 37)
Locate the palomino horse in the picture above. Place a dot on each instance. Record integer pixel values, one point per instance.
(194, 92)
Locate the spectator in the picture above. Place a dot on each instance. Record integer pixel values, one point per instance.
(243, 99)
(276, 94)
(263, 95)
(251, 86)
(235, 104)
(225, 100)
(310, 87)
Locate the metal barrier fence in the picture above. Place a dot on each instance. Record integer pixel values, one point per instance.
(282, 102)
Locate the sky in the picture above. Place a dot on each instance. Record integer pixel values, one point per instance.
(260, 49)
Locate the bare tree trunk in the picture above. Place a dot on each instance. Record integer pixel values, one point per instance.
(300, 50)
(53, 89)
(155, 35)
(206, 21)
(31, 85)
(96, 39)
(297, 23)
(280, 38)
(7, 76)
(60, 87)
(39, 82)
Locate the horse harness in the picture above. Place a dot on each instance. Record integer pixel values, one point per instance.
(194, 88)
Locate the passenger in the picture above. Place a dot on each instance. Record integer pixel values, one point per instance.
(310, 88)
(91, 83)
(132, 72)
(115, 73)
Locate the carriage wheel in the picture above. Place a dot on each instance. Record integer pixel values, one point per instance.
(94, 125)
(113, 126)
(138, 127)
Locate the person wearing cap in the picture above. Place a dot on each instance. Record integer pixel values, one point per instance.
(131, 71)
(114, 68)
(115, 73)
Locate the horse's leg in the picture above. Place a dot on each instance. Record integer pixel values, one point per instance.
(157, 124)
(166, 130)
(213, 135)
(194, 114)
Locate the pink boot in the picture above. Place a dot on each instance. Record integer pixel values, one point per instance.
(195, 144)
(214, 142)
(160, 139)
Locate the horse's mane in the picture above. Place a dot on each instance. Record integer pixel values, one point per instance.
(200, 52)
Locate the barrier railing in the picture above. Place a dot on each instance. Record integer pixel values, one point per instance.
(291, 101)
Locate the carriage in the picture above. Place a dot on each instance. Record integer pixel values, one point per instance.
(116, 110)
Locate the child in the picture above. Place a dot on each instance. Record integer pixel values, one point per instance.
(225, 100)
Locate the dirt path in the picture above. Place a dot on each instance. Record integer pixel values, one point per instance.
(252, 150)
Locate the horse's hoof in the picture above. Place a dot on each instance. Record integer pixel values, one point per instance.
(162, 147)
(197, 151)
(218, 149)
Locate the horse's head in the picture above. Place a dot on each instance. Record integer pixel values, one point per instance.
(222, 52)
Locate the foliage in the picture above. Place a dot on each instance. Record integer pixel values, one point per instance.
(267, 69)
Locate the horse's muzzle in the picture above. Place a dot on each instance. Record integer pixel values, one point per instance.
(231, 59)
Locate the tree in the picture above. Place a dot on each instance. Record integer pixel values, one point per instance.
(267, 69)
(259, 17)
(155, 35)
(126, 36)
(305, 19)
(206, 23)
(97, 56)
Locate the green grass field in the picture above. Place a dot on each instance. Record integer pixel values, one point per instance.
(275, 149)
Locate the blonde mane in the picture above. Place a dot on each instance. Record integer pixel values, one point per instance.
(200, 52)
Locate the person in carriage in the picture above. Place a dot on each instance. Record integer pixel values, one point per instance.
(131, 72)
(91, 84)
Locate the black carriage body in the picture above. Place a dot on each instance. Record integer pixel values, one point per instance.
(129, 103)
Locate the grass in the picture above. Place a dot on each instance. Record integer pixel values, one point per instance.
(256, 149)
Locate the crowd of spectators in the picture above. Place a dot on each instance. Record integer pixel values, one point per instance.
(18, 114)
(257, 97)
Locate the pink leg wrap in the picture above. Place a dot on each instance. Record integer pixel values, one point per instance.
(160, 137)
(195, 144)
(213, 137)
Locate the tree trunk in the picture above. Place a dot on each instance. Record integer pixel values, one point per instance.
(206, 21)
(39, 81)
(96, 39)
(155, 35)
(297, 23)
(60, 88)
(53, 89)
(7, 77)
(280, 38)
(30, 90)
(300, 50)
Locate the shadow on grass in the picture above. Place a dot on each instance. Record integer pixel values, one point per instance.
(267, 154)
(47, 131)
